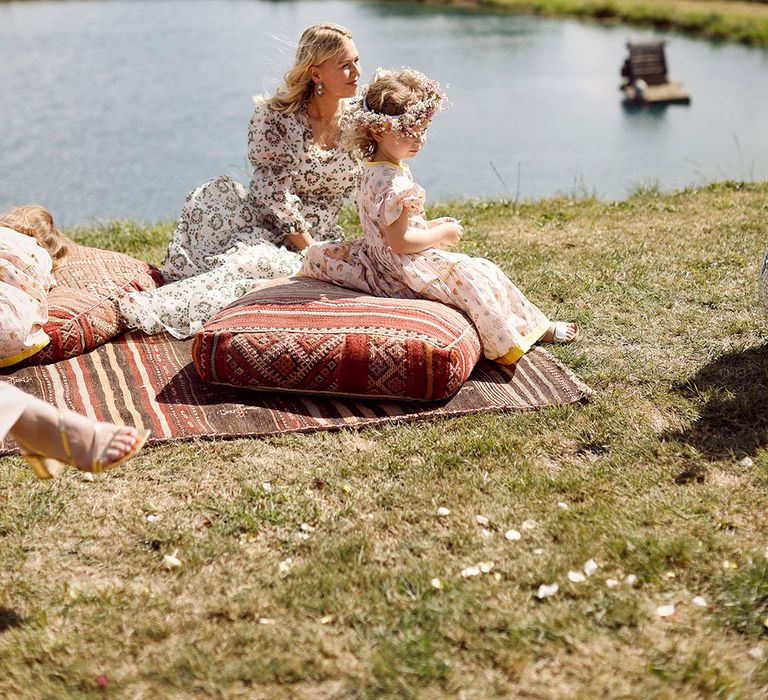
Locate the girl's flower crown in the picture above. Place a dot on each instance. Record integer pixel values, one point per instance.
(417, 115)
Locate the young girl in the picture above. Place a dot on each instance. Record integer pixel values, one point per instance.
(400, 254)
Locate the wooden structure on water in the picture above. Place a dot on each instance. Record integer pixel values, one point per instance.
(646, 81)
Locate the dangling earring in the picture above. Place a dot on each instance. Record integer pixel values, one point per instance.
(320, 89)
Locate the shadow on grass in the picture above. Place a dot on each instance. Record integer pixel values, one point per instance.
(8, 619)
(734, 419)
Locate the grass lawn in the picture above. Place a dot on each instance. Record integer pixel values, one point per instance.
(662, 475)
(745, 21)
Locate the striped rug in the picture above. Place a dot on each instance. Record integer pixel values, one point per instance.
(149, 381)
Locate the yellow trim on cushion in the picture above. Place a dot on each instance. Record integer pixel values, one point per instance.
(23, 354)
(515, 353)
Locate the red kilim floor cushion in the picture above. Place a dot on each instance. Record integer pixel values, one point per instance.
(82, 307)
(307, 336)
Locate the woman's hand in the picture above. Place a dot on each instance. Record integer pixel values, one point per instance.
(300, 241)
(441, 220)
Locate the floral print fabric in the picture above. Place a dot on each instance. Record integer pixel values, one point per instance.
(25, 278)
(229, 239)
(508, 324)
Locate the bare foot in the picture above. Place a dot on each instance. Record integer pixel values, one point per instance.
(561, 332)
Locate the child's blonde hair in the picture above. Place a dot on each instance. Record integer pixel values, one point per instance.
(36, 221)
(317, 44)
(393, 101)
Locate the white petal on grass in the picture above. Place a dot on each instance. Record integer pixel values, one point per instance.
(171, 562)
(302, 535)
(514, 535)
(631, 580)
(481, 520)
(470, 571)
(547, 591)
(306, 527)
(590, 567)
(576, 577)
(436, 583)
(757, 652)
(670, 574)
(529, 524)
(746, 462)
(88, 476)
(485, 566)
(538, 550)
(727, 564)
(699, 601)
(563, 505)
(443, 512)
(267, 487)
(266, 621)
(485, 532)
(285, 565)
(326, 619)
(665, 610)
(611, 582)
(151, 518)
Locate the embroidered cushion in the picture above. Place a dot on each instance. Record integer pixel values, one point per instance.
(82, 307)
(308, 336)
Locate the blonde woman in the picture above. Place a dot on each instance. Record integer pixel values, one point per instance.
(30, 248)
(229, 238)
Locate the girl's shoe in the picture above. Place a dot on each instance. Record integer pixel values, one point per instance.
(559, 333)
(49, 467)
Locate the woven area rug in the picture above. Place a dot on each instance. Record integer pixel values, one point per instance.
(149, 381)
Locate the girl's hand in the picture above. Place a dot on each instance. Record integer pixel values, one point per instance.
(441, 220)
(453, 232)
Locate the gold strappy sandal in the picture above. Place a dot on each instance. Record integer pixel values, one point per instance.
(48, 467)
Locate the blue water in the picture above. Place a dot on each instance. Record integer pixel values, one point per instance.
(114, 109)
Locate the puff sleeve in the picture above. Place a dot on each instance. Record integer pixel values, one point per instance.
(398, 191)
(275, 149)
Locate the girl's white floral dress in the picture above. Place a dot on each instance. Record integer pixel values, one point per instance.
(508, 324)
(229, 239)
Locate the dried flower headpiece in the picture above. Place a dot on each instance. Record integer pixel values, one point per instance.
(416, 116)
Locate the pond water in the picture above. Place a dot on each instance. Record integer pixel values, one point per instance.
(116, 109)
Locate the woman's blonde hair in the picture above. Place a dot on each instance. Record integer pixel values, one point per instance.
(390, 93)
(317, 44)
(36, 221)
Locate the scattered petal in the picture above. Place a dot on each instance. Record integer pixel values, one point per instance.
(670, 574)
(436, 583)
(665, 610)
(326, 619)
(757, 652)
(485, 532)
(266, 621)
(590, 567)
(485, 566)
(88, 476)
(101, 680)
(470, 571)
(170, 561)
(546, 591)
(730, 564)
(576, 577)
(529, 524)
(611, 582)
(346, 489)
(481, 520)
(302, 535)
(153, 518)
(538, 550)
(267, 487)
(443, 512)
(306, 527)
(285, 565)
(699, 601)
(563, 505)
(631, 580)
(513, 535)
(496, 576)
(746, 462)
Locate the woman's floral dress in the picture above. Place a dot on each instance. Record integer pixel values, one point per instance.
(508, 324)
(229, 239)
(25, 278)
